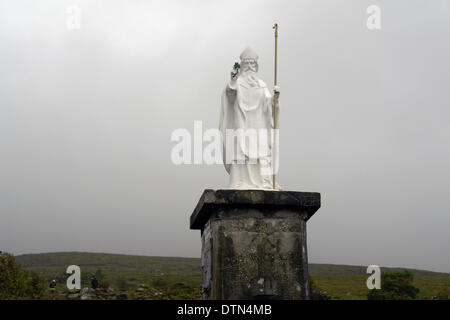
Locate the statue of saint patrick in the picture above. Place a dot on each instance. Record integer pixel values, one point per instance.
(247, 126)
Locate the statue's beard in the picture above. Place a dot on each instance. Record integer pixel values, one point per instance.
(249, 74)
(249, 69)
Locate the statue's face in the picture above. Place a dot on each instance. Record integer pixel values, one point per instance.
(249, 64)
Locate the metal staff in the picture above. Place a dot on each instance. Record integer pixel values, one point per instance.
(275, 105)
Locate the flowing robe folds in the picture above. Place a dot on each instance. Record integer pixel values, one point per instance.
(246, 124)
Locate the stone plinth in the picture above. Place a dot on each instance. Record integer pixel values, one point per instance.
(254, 243)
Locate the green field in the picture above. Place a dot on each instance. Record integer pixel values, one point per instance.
(180, 278)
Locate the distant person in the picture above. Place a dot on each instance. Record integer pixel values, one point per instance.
(94, 282)
(53, 284)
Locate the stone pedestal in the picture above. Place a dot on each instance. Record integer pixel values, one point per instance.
(254, 243)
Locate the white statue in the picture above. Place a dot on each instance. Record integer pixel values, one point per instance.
(247, 104)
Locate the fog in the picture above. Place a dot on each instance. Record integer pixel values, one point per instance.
(86, 117)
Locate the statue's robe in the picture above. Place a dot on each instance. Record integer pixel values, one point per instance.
(247, 103)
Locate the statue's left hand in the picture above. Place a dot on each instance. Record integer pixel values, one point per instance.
(276, 90)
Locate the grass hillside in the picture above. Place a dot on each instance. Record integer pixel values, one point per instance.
(106, 260)
(128, 271)
(346, 270)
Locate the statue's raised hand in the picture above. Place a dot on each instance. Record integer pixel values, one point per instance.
(234, 74)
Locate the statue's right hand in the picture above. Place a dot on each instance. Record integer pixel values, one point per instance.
(234, 73)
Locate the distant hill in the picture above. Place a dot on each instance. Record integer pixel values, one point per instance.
(347, 270)
(129, 271)
(105, 260)
(172, 265)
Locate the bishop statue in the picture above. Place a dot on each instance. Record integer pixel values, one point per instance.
(248, 128)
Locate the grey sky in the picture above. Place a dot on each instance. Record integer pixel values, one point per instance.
(86, 117)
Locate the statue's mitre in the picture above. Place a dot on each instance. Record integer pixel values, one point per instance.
(248, 53)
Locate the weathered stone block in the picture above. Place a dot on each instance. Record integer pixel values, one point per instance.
(254, 243)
